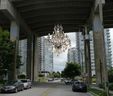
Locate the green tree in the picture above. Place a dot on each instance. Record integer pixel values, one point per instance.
(58, 74)
(71, 70)
(110, 75)
(7, 49)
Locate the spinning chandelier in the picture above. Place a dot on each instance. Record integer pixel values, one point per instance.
(59, 40)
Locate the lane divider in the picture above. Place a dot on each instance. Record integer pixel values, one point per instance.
(47, 91)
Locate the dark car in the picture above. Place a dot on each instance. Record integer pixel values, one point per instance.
(79, 86)
(12, 86)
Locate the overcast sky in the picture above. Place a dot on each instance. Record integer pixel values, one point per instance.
(111, 33)
(60, 61)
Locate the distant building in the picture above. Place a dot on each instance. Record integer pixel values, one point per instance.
(108, 48)
(80, 48)
(46, 55)
(72, 55)
(23, 54)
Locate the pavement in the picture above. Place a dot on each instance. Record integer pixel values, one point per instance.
(48, 89)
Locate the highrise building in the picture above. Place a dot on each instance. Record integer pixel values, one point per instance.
(23, 54)
(46, 55)
(72, 55)
(108, 48)
(80, 46)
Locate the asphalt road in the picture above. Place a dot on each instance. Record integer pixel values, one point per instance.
(47, 89)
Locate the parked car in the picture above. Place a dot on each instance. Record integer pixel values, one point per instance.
(27, 83)
(12, 86)
(79, 86)
(50, 79)
(67, 81)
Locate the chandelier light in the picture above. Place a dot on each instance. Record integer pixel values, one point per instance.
(59, 40)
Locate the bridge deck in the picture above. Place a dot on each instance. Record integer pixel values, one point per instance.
(42, 15)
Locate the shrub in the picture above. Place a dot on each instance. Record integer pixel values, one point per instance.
(2, 81)
(101, 86)
(103, 94)
(41, 75)
(111, 86)
(22, 76)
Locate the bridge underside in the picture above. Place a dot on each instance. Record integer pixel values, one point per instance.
(41, 15)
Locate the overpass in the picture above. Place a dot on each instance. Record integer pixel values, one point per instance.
(34, 18)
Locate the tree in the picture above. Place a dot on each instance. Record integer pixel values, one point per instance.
(71, 70)
(7, 53)
(110, 75)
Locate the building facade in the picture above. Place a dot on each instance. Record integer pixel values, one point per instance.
(23, 54)
(80, 46)
(46, 55)
(72, 55)
(108, 48)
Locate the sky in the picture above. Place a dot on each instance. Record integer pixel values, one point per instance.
(60, 61)
(111, 35)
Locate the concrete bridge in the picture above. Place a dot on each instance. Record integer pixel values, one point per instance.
(34, 18)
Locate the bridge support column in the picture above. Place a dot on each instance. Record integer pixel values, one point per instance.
(29, 64)
(36, 59)
(99, 48)
(87, 56)
(14, 37)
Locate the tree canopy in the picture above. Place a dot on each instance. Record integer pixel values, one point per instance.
(71, 70)
(7, 52)
(55, 74)
(110, 75)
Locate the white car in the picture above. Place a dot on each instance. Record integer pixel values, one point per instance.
(27, 83)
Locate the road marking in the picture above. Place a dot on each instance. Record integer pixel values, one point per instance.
(46, 92)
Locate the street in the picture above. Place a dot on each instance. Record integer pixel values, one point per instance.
(47, 89)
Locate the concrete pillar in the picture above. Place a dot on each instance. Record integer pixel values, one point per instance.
(39, 56)
(36, 60)
(99, 48)
(87, 56)
(29, 64)
(14, 37)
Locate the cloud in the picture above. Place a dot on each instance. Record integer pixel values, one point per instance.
(60, 61)
(72, 38)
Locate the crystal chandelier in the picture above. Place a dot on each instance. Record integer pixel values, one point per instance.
(59, 40)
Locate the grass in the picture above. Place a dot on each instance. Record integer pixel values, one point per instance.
(96, 92)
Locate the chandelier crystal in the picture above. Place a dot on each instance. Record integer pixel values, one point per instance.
(59, 40)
